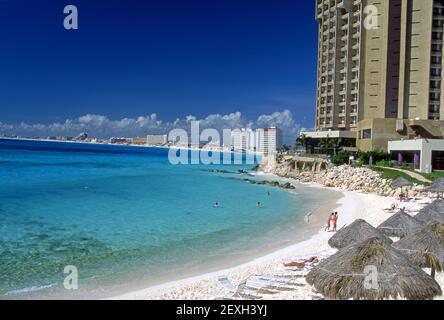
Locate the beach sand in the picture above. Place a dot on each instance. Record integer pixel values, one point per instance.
(351, 206)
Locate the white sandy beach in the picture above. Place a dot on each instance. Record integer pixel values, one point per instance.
(351, 206)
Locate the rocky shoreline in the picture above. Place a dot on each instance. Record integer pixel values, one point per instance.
(275, 184)
(346, 178)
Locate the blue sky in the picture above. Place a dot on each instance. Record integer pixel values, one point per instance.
(169, 58)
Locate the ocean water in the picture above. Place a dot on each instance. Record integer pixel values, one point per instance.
(126, 218)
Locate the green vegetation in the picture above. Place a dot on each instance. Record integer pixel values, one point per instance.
(433, 176)
(340, 158)
(331, 146)
(377, 156)
(429, 176)
(391, 174)
(302, 142)
(384, 163)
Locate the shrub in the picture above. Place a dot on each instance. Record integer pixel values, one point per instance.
(385, 163)
(340, 158)
(377, 155)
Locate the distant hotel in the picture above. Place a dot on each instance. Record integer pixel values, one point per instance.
(156, 139)
(383, 84)
(263, 140)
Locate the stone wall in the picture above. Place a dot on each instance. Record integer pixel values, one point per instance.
(347, 178)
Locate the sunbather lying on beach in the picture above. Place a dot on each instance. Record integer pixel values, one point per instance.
(302, 264)
(392, 208)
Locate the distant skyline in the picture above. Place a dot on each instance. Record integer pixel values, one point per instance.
(171, 59)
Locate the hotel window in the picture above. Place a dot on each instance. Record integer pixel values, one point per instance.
(367, 134)
(354, 121)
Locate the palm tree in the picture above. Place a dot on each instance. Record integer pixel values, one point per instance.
(335, 144)
(303, 141)
(433, 262)
(326, 144)
(285, 148)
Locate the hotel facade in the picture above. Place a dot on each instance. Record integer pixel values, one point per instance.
(380, 71)
(263, 140)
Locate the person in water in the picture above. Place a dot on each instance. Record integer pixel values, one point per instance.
(258, 204)
(330, 218)
(216, 205)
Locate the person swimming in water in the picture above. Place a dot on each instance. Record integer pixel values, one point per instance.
(216, 205)
(258, 204)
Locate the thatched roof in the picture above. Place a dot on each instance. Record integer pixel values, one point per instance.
(437, 186)
(432, 212)
(357, 231)
(343, 275)
(401, 182)
(400, 225)
(429, 239)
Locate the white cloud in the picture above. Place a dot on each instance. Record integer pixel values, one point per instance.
(103, 127)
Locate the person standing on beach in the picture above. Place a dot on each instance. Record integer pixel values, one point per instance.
(335, 222)
(330, 218)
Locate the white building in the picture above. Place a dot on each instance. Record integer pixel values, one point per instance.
(243, 140)
(424, 155)
(268, 140)
(156, 139)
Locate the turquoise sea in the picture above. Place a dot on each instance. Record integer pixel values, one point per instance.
(126, 218)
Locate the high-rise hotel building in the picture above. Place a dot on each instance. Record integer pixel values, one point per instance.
(380, 70)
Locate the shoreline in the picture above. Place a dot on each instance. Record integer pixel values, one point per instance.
(316, 222)
(135, 281)
(201, 286)
(166, 147)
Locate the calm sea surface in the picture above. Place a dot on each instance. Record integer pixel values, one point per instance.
(126, 218)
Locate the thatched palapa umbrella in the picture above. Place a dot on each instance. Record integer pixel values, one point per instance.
(357, 231)
(432, 212)
(437, 186)
(400, 225)
(346, 274)
(425, 248)
(401, 182)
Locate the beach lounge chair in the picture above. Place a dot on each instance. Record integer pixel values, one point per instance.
(267, 286)
(290, 282)
(291, 273)
(233, 292)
